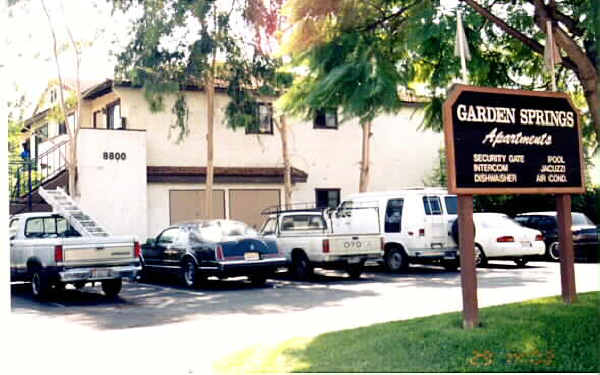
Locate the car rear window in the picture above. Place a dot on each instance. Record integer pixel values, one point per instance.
(302, 222)
(432, 205)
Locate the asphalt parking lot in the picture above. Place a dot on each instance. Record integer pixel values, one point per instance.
(190, 328)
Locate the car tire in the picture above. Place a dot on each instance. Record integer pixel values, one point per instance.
(40, 287)
(450, 265)
(480, 258)
(144, 274)
(355, 270)
(553, 252)
(189, 273)
(301, 267)
(521, 262)
(395, 260)
(112, 288)
(257, 280)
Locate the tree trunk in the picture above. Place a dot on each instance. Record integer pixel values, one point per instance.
(210, 110)
(366, 157)
(287, 169)
(73, 169)
(71, 158)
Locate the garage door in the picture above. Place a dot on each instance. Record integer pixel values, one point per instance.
(246, 205)
(189, 205)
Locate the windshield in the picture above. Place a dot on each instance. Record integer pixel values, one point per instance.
(581, 219)
(221, 230)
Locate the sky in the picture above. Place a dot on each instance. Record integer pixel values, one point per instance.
(27, 62)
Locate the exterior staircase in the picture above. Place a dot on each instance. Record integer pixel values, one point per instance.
(62, 203)
(26, 176)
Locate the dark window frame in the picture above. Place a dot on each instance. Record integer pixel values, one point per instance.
(320, 119)
(389, 226)
(258, 130)
(109, 124)
(321, 190)
(96, 120)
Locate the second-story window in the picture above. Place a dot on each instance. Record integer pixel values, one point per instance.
(265, 120)
(325, 119)
(113, 116)
(42, 133)
(97, 119)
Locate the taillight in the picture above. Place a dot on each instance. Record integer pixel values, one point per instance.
(539, 237)
(325, 245)
(58, 253)
(505, 239)
(220, 255)
(137, 249)
(422, 232)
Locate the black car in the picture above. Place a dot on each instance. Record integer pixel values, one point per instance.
(586, 236)
(196, 250)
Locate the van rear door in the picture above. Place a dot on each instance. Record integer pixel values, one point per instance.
(436, 230)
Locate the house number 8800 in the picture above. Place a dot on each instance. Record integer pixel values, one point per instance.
(114, 156)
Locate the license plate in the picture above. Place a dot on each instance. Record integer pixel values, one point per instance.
(100, 273)
(354, 260)
(251, 256)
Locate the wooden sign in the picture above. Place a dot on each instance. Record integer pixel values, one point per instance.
(501, 141)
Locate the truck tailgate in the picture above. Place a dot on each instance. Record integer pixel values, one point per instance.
(95, 251)
(355, 245)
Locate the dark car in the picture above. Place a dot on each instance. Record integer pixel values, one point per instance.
(196, 250)
(586, 238)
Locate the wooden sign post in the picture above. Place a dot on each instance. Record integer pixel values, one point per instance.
(502, 141)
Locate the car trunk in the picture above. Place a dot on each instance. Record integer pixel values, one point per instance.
(248, 249)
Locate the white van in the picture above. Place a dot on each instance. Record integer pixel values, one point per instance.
(415, 224)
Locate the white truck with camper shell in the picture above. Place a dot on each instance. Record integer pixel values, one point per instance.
(66, 246)
(415, 224)
(307, 238)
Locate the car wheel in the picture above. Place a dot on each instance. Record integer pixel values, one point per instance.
(521, 262)
(257, 280)
(355, 270)
(40, 287)
(189, 273)
(554, 251)
(480, 258)
(112, 288)
(144, 274)
(450, 265)
(301, 267)
(396, 260)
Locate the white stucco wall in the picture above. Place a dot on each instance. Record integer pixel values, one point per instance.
(401, 154)
(114, 191)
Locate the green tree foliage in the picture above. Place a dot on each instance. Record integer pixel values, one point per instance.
(350, 47)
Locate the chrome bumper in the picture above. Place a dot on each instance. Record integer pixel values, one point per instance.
(101, 273)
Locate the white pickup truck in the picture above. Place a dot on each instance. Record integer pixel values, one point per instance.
(46, 250)
(307, 238)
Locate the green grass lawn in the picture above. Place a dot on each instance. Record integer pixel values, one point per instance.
(542, 335)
